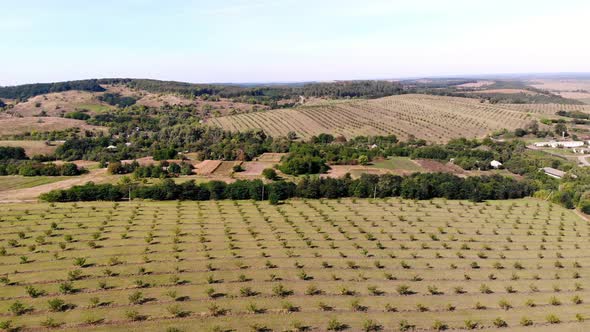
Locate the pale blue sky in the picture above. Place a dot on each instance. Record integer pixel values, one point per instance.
(288, 40)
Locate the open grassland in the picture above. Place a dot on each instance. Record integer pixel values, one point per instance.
(17, 126)
(434, 118)
(13, 182)
(244, 265)
(403, 163)
(33, 148)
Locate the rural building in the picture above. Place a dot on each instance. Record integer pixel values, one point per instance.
(111, 148)
(554, 173)
(495, 164)
(560, 144)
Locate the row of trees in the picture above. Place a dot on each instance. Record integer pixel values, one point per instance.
(31, 168)
(416, 186)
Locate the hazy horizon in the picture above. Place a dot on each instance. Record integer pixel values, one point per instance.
(289, 41)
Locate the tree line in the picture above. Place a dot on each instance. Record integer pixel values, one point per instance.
(416, 186)
(33, 168)
(26, 91)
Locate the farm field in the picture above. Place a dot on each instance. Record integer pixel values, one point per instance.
(548, 109)
(12, 182)
(433, 118)
(403, 163)
(319, 264)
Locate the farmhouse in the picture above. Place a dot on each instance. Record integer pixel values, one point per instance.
(554, 173)
(495, 164)
(561, 144)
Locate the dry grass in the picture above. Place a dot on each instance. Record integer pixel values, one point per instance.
(478, 84)
(15, 126)
(33, 147)
(58, 103)
(508, 91)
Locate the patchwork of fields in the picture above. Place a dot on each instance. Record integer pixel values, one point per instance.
(315, 264)
(434, 118)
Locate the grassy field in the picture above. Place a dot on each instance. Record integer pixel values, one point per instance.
(403, 163)
(21, 182)
(33, 147)
(94, 108)
(17, 126)
(316, 264)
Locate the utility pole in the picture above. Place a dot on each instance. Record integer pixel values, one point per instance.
(375, 192)
(262, 198)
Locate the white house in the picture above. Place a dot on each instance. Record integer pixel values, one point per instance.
(495, 164)
(560, 144)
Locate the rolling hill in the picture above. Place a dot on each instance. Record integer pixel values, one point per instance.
(433, 118)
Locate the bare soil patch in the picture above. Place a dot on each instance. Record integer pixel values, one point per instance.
(255, 168)
(271, 157)
(207, 167)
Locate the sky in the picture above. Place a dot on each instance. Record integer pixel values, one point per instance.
(288, 40)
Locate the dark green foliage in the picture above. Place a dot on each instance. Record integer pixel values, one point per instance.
(304, 159)
(26, 91)
(78, 115)
(415, 186)
(269, 174)
(116, 99)
(9, 152)
(163, 154)
(33, 168)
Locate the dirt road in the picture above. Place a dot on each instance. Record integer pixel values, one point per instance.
(31, 194)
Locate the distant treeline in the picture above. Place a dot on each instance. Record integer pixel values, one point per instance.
(271, 94)
(344, 89)
(416, 186)
(26, 91)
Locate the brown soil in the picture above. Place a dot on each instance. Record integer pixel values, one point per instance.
(207, 167)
